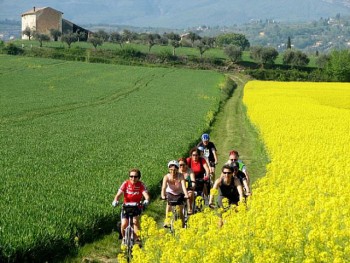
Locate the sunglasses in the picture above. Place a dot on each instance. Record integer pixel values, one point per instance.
(133, 176)
(182, 164)
(227, 172)
(233, 160)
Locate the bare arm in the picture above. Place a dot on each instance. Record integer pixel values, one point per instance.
(146, 195)
(118, 195)
(193, 179)
(239, 188)
(246, 174)
(183, 184)
(164, 184)
(206, 168)
(215, 156)
(216, 187)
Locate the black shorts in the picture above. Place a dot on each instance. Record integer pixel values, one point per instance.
(130, 211)
(175, 199)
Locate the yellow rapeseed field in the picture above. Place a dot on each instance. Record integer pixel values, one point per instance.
(300, 211)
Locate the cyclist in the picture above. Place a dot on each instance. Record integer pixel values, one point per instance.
(234, 157)
(209, 151)
(228, 185)
(174, 189)
(200, 168)
(190, 182)
(133, 191)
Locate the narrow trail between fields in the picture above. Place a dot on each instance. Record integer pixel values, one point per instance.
(231, 130)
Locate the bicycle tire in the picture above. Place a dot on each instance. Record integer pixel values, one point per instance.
(129, 243)
(185, 214)
(174, 217)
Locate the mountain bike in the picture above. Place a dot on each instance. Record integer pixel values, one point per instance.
(176, 213)
(130, 210)
(200, 199)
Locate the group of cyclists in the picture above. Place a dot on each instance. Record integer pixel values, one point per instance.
(187, 178)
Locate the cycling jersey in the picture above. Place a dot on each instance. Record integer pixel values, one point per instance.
(197, 167)
(208, 152)
(133, 192)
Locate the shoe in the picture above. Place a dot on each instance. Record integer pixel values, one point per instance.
(166, 226)
(190, 213)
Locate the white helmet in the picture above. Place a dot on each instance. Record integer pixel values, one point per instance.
(173, 162)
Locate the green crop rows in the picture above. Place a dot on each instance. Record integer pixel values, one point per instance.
(69, 132)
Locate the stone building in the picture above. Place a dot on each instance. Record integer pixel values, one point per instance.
(43, 19)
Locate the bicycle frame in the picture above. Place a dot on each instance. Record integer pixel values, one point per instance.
(176, 214)
(130, 209)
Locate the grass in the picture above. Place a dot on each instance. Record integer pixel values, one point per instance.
(226, 135)
(233, 130)
(77, 128)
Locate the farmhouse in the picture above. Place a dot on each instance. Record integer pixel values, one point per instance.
(43, 19)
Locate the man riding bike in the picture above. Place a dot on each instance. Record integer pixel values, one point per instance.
(228, 186)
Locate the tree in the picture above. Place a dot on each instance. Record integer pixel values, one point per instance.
(128, 35)
(233, 39)
(202, 46)
(55, 33)
(289, 43)
(268, 55)
(101, 34)
(174, 40)
(115, 37)
(263, 55)
(81, 35)
(338, 66)
(69, 38)
(28, 32)
(151, 40)
(95, 41)
(193, 37)
(209, 41)
(322, 60)
(295, 58)
(234, 53)
(41, 38)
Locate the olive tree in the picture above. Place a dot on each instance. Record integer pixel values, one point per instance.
(95, 41)
(55, 33)
(234, 53)
(69, 38)
(41, 38)
(28, 32)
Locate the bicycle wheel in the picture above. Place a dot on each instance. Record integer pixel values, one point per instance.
(173, 219)
(185, 214)
(129, 242)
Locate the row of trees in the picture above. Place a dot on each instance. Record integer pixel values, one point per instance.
(267, 55)
(336, 64)
(173, 39)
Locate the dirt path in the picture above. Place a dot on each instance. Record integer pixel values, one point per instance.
(231, 130)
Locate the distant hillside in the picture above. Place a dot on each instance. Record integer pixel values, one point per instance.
(181, 13)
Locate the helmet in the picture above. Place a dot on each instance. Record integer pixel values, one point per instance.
(205, 137)
(201, 148)
(173, 162)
